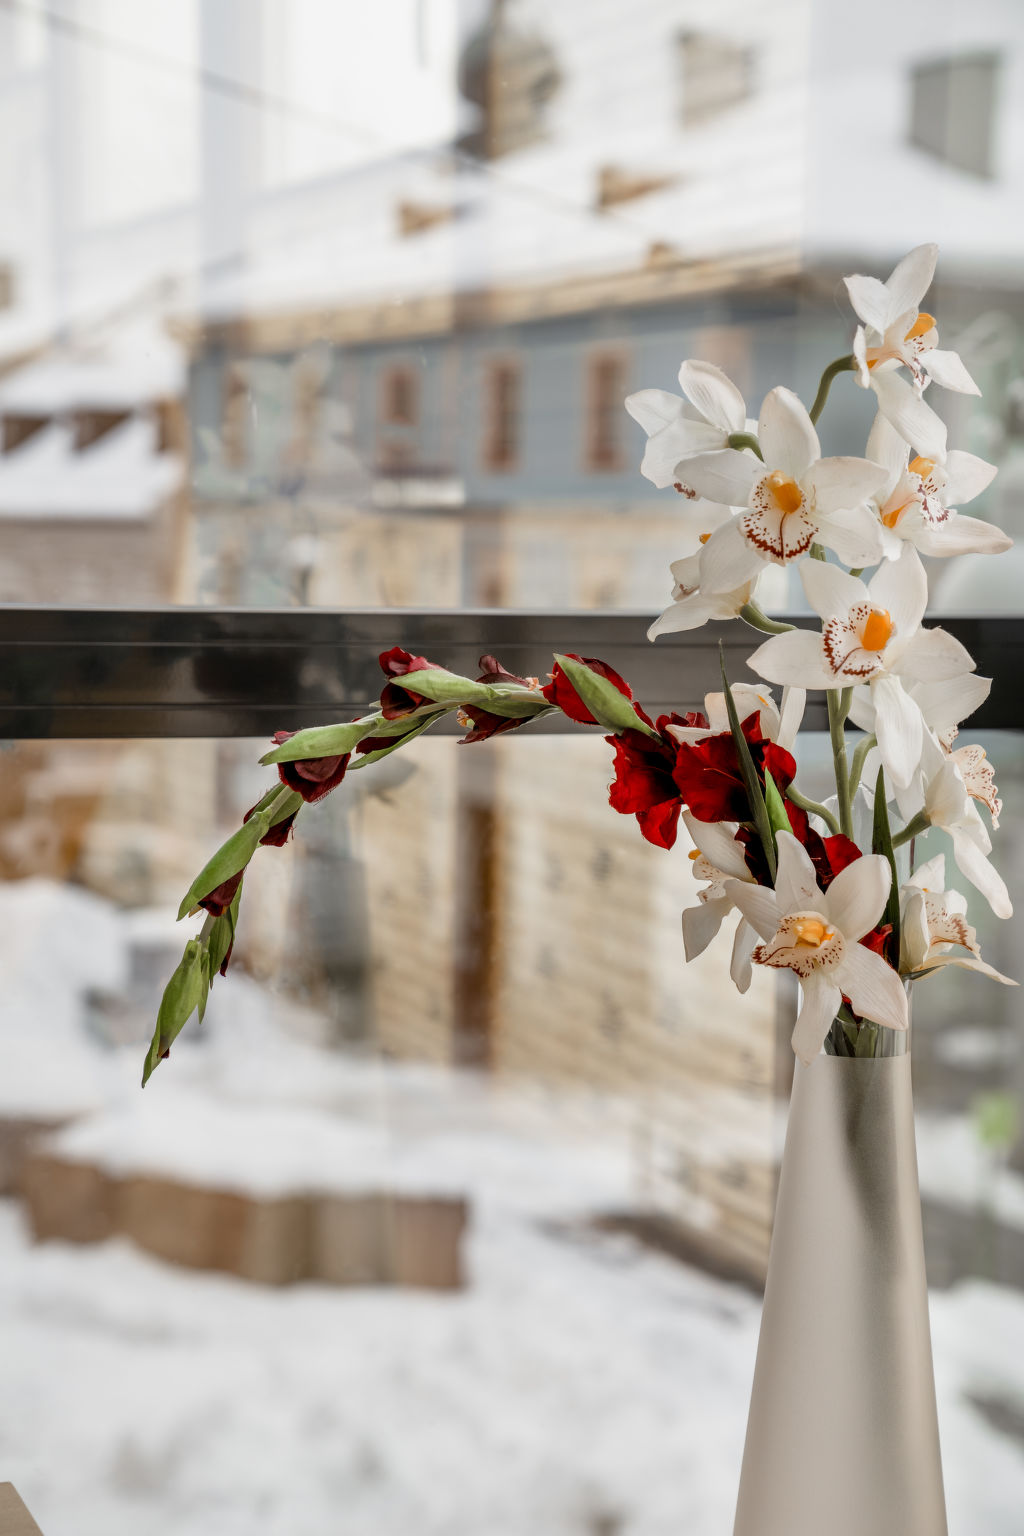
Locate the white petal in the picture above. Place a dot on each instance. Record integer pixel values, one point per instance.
(728, 561)
(898, 726)
(740, 966)
(830, 591)
(933, 655)
(947, 369)
(838, 483)
(966, 476)
(888, 448)
(854, 534)
(713, 394)
(727, 476)
(931, 875)
(717, 842)
(871, 300)
(654, 408)
(688, 613)
(901, 588)
(701, 923)
(901, 405)
(819, 1004)
(796, 884)
(862, 710)
(794, 701)
(983, 876)
(673, 446)
(911, 278)
(857, 896)
(873, 987)
(946, 704)
(915, 938)
(757, 904)
(795, 659)
(969, 963)
(786, 433)
(963, 536)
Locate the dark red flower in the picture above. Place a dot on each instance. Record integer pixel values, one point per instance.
(396, 701)
(279, 832)
(310, 777)
(563, 695)
(227, 957)
(217, 901)
(643, 785)
(484, 722)
(709, 777)
(878, 939)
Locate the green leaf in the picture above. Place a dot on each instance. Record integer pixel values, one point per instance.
(778, 818)
(182, 996)
(608, 706)
(327, 740)
(444, 687)
(419, 726)
(881, 842)
(749, 772)
(227, 861)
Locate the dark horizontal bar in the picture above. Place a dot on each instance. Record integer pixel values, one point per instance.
(125, 672)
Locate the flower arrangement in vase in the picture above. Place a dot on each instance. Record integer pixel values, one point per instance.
(826, 890)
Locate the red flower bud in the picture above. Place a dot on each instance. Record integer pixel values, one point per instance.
(563, 695)
(310, 777)
(279, 833)
(217, 901)
(396, 701)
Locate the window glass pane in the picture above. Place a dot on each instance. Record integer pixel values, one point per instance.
(459, 1200)
(299, 307)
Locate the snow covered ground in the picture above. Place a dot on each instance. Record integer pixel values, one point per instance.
(579, 1386)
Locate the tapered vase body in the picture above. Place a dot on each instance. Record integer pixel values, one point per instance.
(842, 1438)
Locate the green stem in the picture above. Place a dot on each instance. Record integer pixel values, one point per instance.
(746, 440)
(758, 620)
(792, 793)
(836, 720)
(860, 757)
(840, 365)
(913, 829)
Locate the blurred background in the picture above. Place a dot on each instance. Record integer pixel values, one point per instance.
(454, 1214)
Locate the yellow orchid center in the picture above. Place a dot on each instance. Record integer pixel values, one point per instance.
(877, 631)
(694, 853)
(922, 467)
(921, 326)
(703, 537)
(812, 932)
(890, 519)
(787, 495)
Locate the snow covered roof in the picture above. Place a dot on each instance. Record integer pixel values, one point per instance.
(122, 476)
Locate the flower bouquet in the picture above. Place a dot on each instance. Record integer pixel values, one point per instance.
(829, 890)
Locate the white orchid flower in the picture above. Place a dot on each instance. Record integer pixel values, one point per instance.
(778, 724)
(676, 429)
(934, 926)
(871, 637)
(692, 606)
(898, 333)
(918, 501)
(816, 934)
(948, 804)
(792, 499)
(717, 858)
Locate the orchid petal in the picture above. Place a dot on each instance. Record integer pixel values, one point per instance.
(857, 896)
(727, 476)
(934, 656)
(899, 728)
(688, 613)
(873, 987)
(915, 938)
(796, 660)
(786, 433)
(871, 300)
(717, 842)
(963, 536)
(674, 445)
(901, 405)
(841, 482)
(966, 476)
(972, 863)
(701, 924)
(854, 534)
(819, 1004)
(968, 963)
(728, 561)
(901, 588)
(713, 394)
(740, 965)
(911, 278)
(757, 904)
(654, 408)
(947, 369)
(829, 590)
(945, 704)
(796, 884)
(794, 701)
(888, 448)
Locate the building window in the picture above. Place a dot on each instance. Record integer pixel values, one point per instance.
(715, 75)
(399, 404)
(235, 411)
(953, 111)
(502, 420)
(606, 390)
